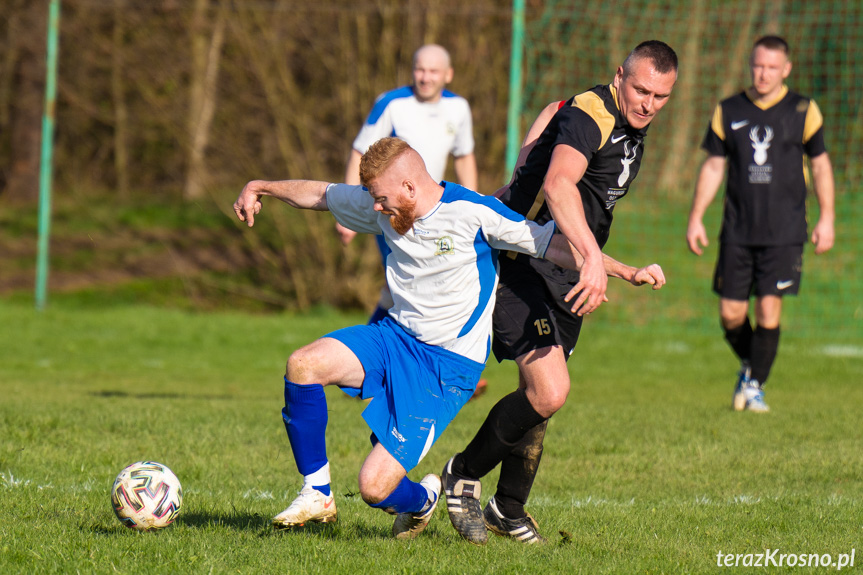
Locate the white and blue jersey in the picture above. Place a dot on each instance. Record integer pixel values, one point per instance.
(434, 129)
(423, 361)
(443, 272)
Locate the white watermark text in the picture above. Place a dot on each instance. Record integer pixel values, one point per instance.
(775, 558)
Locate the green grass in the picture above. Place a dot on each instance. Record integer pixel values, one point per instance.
(651, 228)
(646, 469)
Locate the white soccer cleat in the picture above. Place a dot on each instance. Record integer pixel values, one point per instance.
(739, 400)
(409, 525)
(755, 398)
(310, 506)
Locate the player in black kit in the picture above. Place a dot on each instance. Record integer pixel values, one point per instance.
(582, 163)
(764, 132)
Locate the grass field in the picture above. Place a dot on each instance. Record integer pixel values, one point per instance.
(646, 469)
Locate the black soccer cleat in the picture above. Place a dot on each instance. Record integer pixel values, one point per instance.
(462, 504)
(523, 529)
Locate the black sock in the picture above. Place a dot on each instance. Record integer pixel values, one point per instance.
(517, 472)
(765, 344)
(504, 427)
(740, 340)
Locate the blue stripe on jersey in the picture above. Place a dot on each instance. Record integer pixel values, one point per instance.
(454, 192)
(383, 248)
(486, 265)
(384, 101)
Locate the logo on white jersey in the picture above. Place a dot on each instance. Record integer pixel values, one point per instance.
(445, 246)
(760, 145)
(627, 159)
(737, 125)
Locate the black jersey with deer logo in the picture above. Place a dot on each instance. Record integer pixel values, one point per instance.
(591, 123)
(765, 197)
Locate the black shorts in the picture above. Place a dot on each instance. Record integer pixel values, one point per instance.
(530, 312)
(742, 271)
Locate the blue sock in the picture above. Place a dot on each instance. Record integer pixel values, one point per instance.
(305, 417)
(407, 497)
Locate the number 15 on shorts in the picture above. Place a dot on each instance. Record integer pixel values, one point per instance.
(542, 326)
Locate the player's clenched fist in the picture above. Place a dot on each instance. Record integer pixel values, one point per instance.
(651, 274)
(248, 204)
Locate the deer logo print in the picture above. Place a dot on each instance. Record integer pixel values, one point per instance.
(629, 157)
(760, 146)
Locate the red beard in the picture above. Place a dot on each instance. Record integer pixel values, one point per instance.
(403, 220)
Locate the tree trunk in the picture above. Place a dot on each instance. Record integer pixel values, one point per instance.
(678, 168)
(28, 97)
(206, 56)
(740, 55)
(118, 95)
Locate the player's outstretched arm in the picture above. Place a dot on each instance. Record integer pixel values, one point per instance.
(302, 194)
(709, 180)
(352, 177)
(823, 235)
(648, 275)
(564, 254)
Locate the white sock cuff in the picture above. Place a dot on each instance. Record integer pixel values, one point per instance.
(430, 495)
(319, 477)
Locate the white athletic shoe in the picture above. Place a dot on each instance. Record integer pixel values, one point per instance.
(739, 400)
(409, 525)
(310, 506)
(755, 398)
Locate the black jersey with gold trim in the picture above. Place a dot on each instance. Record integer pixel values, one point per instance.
(591, 123)
(765, 197)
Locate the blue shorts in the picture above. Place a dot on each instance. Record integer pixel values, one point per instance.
(416, 389)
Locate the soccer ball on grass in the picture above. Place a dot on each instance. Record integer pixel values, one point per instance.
(147, 495)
